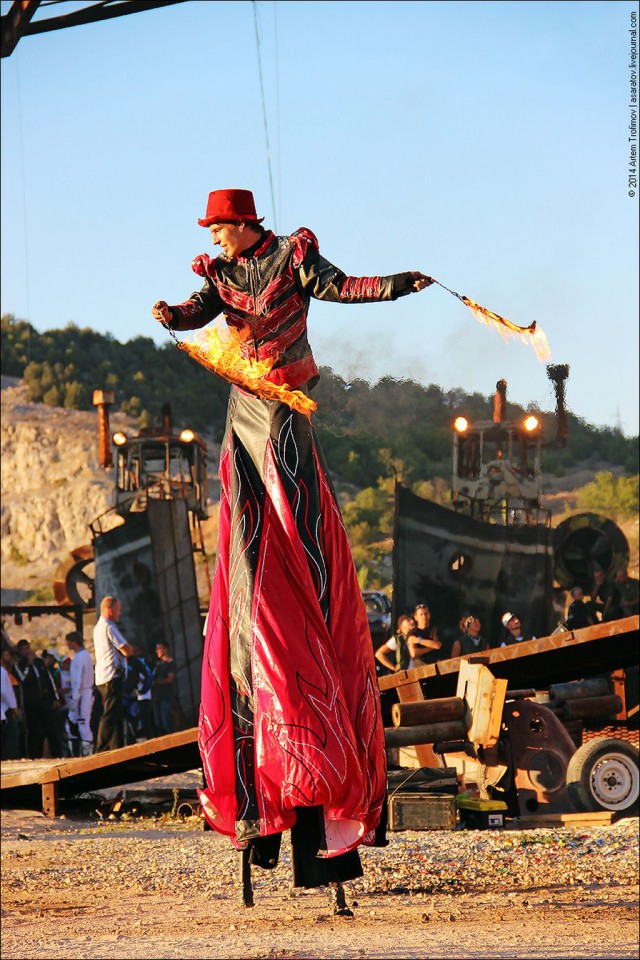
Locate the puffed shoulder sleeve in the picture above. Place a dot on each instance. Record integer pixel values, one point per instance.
(319, 278)
(203, 305)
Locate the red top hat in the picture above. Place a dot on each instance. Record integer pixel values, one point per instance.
(230, 205)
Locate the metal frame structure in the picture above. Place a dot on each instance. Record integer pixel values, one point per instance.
(19, 22)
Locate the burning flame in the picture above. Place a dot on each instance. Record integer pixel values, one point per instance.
(220, 353)
(532, 334)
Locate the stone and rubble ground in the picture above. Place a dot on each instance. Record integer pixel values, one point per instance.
(157, 887)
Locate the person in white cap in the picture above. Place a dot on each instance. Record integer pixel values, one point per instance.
(513, 626)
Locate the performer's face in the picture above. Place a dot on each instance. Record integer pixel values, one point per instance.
(231, 237)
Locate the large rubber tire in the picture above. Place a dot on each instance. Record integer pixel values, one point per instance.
(604, 774)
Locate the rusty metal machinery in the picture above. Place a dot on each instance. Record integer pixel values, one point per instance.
(157, 464)
(163, 465)
(497, 466)
(520, 746)
(583, 542)
(74, 579)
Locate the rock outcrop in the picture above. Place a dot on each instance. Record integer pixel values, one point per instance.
(52, 488)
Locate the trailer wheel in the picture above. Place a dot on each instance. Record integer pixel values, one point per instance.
(603, 774)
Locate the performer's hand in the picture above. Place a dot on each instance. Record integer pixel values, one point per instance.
(160, 310)
(420, 281)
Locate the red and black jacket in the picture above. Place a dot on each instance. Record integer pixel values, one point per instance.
(265, 292)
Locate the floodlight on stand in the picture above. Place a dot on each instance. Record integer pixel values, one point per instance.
(119, 438)
(187, 435)
(531, 423)
(461, 424)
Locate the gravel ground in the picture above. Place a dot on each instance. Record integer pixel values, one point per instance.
(161, 888)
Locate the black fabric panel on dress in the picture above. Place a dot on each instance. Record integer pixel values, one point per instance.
(247, 499)
(293, 442)
(307, 839)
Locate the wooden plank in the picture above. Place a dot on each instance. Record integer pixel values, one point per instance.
(53, 770)
(541, 661)
(602, 817)
(50, 799)
(558, 641)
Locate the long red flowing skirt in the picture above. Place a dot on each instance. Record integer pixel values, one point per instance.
(290, 714)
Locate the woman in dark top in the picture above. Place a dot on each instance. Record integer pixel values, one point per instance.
(471, 640)
(424, 645)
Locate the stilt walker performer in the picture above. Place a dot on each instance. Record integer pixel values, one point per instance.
(290, 727)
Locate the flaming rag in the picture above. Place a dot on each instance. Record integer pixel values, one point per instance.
(290, 726)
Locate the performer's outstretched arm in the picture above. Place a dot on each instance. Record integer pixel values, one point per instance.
(319, 278)
(201, 307)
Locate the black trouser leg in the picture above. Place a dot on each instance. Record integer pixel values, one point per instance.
(245, 877)
(111, 729)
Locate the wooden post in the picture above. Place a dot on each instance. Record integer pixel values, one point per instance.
(50, 798)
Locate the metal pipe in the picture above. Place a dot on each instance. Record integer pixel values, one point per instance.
(591, 707)
(593, 687)
(455, 746)
(103, 399)
(520, 694)
(500, 402)
(411, 714)
(425, 733)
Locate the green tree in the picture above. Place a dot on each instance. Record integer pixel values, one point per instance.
(610, 495)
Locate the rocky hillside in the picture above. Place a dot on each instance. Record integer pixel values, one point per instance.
(52, 487)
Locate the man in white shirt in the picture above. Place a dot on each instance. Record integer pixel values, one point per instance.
(110, 649)
(8, 709)
(81, 694)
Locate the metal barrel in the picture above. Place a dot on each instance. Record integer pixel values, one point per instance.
(425, 733)
(594, 687)
(427, 711)
(591, 707)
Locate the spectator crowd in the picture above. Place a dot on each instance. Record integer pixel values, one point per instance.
(72, 704)
(416, 641)
(63, 704)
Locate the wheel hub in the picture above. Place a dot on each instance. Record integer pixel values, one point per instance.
(615, 781)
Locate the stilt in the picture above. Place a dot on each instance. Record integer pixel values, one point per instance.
(245, 878)
(338, 900)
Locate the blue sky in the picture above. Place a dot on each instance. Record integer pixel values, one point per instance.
(485, 144)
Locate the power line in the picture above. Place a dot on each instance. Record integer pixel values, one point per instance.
(264, 115)
(24, 206)
(277, 66)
